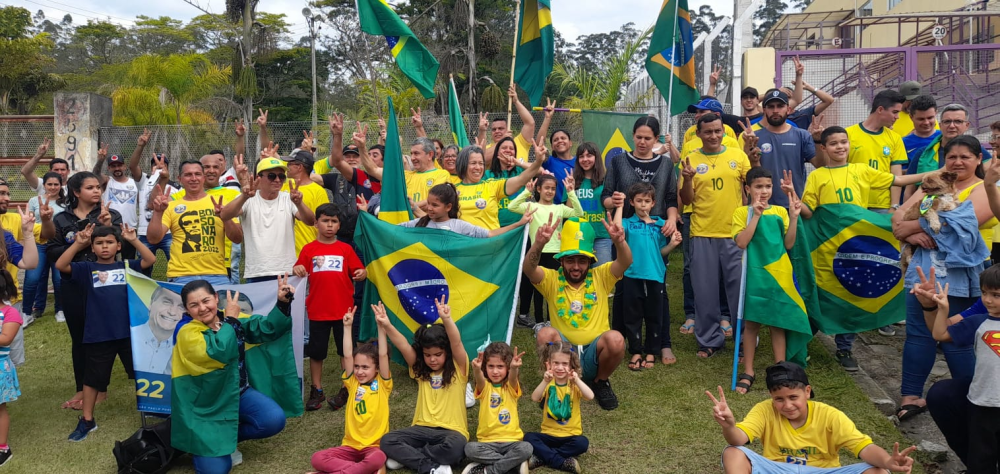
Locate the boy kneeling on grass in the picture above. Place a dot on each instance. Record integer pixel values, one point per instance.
(800, 436)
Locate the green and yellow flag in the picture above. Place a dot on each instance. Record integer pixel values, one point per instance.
(670, 60)
(535, 48)
(411, 267)
(378, 18)
(611, 131)
(458, 132)
(395, 207)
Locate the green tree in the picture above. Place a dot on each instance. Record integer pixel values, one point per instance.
(704, 21)
(23, 58)
(603, 85)
(767, 16)
(99, 43)
(163, 35)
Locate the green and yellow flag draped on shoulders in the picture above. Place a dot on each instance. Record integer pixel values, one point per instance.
(395, 207)
(378, 18)
(535, 48)
(455, 119)
(670, 60)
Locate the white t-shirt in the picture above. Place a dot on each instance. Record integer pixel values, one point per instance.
(268, 235)
(146, 186)
(124, 198)
(228, 179)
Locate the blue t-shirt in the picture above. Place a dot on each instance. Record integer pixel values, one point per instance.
(560, 168)
(915, 146)
(14, 249)
(912, 166)
(802, 118)
(786, 151)
(645, 240)
(107, 311)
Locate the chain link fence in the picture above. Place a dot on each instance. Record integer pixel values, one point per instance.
(20, 137)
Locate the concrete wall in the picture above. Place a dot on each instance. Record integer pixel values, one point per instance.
(758, 69)
(78, 116)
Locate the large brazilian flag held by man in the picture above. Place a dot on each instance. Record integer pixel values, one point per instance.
(670, 60)
(411, 267)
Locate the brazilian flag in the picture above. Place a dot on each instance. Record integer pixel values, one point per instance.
(670, 60)
(408, 268)
(611, 131)
(535, 48)
(858, 275)
(395, 206)
(772, 291)
(378, 18)
(458, 132)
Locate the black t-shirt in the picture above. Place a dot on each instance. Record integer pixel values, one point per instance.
(646, 169)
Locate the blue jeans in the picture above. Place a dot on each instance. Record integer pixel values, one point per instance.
(602, 250)
(234, 263)
(845, 342)
(260, 417)
(36, 285)
(920, 348)
(214, 280)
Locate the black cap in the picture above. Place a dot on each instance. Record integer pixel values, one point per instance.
(785, 371)
(299, 155)
(116, 159)
(775, 94)
(351, 149)
(152, 161)
(749, 91)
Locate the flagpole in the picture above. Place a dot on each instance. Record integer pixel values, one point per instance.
(513, 58)
(673, 45)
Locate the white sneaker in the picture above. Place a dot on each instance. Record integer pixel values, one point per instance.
(442, 469)
(392, 464)
(237, 458)
(470, 467)
(470, 396)
(60, 317)
(28, 319)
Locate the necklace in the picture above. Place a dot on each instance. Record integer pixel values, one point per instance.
(575, 312)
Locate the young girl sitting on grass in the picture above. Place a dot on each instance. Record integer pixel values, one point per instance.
(439, 363)
(561, 439)
(366, 419)
(500, 447)
(10, 389)
(441, 212)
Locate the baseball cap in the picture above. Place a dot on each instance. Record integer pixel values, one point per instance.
(785, 371)
(775, 95)
(299, 155)
(911, 89)
(351, 149)
(270, 164)
(116, 159)
(577, 238)
(711, 105)
(749, 91)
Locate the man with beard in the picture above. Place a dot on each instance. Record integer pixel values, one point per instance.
(784, 147)
(577, 296)
(121, 192)
(152, 343)
(57, 165)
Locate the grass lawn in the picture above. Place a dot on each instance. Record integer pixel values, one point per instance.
(663, 425)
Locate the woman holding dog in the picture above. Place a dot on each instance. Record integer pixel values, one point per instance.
(963, 170)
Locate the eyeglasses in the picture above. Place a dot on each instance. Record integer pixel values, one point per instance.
(273, 176)
(953, 122)
(995, 138)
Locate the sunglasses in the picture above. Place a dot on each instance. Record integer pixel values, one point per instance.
(273, 176)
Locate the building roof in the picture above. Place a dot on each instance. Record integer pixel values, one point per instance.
(793, 30)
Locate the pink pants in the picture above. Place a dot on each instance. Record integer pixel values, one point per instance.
(347, 460)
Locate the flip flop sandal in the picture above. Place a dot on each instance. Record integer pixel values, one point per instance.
(635, 363)
(910, 411)
(707, 352)
(687, 328)
(727, 329)
(745, 386)
(650, 361)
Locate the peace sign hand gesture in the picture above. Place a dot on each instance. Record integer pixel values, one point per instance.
(901, 461)
(721, 410)
(336, 124)
(477, 363)
(160, 202)
(992, 171)
(382, 131)
(129, 234)
(262, 118)
(515, 362)
(749, 136)
(615, 231)
(799, 68)
(418, 121)
(270, 151)
(484, 121)
(239, 127)
(286, 292)
(82, 237)
(307, 140)
(360, 136)
(144, 138)
(444, 310)
(105, 216)
(242, 171)
(544, 233)
(219, 206)
(550, 107)
(541, 153)
(687, 171)
(293, 192)
(102, 152)
(713, 79)
(45, 210)
(787, 186)
(816, 127)
(232, 304)
(381, 317)
(349, 316)
(250, 189)
(568, 182)
(44, 147)
(27, 221)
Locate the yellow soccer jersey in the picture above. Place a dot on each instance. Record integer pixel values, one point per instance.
(11, 221)
(418, 183)
(879, 150)
(718, 191)
(740, 217)
(199, 238)
(440, 406)
(479, 203)
(313, 196)
(826, 431)
(851, 183)
(366, 418)
(523, 147)
(498, 420)
(561, 410)
(692, 133)
(574, 320)
(228, 195)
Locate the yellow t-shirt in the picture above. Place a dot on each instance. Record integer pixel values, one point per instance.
(557, 418)
(523, 147)
(694, 144)
(11, 222)
(366, 418)
(418, 183)
(228, 195)
(986, 229)
(845, 184)
(579, 325)
(816, 443)
(904, 124)
(322, 166)
(880, 150)
(718, 190)
(313, 196)
(498, 420)
(740, 217)
(199, 238)
(479, 203)
(692, 133)
(440, 406)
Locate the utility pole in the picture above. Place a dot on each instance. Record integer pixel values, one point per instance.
(311, 21)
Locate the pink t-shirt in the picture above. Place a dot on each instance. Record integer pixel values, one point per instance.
(11, 314)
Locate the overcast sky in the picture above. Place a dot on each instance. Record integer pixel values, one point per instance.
(570, 17)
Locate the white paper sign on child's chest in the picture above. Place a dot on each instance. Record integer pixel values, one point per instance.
(328, 263)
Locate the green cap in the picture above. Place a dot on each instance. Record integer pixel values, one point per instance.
(577, 238)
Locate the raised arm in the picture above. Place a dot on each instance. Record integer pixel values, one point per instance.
(528, 130)
(531, 261)
(713, 80)
(81, 241)
(550, 109)
(517, 182)
(102, 154)
(724, 416)
(539, 393)
(262, 136)
(28, 170)
(398, 340)
(156, 229)
(454, 337)
(383, 354)
(240, 146)
(29, 254)
(337, 151)
(477, 372)
(135, 161)
(418, 122)
(825, 99)
(800, 69)
(348, 359)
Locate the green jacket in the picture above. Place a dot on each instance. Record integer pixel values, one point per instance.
(205, 393)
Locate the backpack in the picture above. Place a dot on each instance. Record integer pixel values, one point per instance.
(346, 198)
(147, 451)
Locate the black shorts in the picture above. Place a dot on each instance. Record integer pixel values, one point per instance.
(319, 338)
(100, 357)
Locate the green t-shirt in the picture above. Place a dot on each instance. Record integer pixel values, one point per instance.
(593, 208)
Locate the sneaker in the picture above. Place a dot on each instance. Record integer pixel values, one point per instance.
(392, 464)
(236, 457)
(83, 428)
(442, 469)
(338, 401)
(524, 468)
(316, 399)
(539, 326)
(605, 396)
(5, 456)
(535, 462)
(847, 361)
(60, 317)
(470, 396)
(887, 331)
(36, 314)
(524, 321)
(474, 468)
(28, 319)
(571, 465)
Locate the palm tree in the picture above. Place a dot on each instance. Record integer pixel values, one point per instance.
(603, 88)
